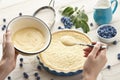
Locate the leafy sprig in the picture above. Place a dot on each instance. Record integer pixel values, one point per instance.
(78, 17)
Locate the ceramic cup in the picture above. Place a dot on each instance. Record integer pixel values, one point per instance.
(28, 21)
(104, 15)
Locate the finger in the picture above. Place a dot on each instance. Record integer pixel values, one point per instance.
(86, 54)
(103, 44)
(8, 36)
(102, 49)
(93, 43)
(95, 49)
(88, 49)
(16, 54)
(4, 40)
(102, 54)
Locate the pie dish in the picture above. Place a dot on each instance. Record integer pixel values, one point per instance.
(63, 60)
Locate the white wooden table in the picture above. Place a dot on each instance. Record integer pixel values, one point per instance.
(27, 7)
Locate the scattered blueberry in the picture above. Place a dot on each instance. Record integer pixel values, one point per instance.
(59, 27)
(26, 76)
(36, 74)
(3, 28)
(114, 42)
(118, 56)
(4, 20)
(39, 67)
(107, 32)
(20, 14)
(21, 59)
(108, 67)
(9, 78)
(38, 78)
(21, 65)
(67, 22)
(91, 24)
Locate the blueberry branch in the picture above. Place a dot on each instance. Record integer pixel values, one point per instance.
(77, 17)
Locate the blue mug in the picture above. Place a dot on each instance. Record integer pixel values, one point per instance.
(104, 16)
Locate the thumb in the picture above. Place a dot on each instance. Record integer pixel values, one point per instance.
(8, 36)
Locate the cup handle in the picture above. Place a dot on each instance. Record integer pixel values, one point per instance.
(116, 5)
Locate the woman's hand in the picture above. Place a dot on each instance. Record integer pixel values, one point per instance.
(8, 61)
(96, 59)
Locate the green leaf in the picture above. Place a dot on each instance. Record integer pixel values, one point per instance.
(77, 24)
(85, 26)
(73, 19)
(68, 11)
(82, 16)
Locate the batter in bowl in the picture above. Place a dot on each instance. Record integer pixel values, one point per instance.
(28, 39)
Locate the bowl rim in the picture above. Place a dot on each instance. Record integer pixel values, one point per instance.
(103, 26)
(46, 26)
(73, 30)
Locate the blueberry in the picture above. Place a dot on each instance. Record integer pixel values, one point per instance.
(3, 28)
(114, 42)
(71, 23)
(91, 24)
(118, 56)
(38, 78)
(4, 20)
(68, 27)
(26, 76)
(59, 27)
(35, 74)
(67, 22)
(21, 59)
(39, 67)
(108, 67)
(63, 19)
(20, 14)
(9, 78)
(21, 65)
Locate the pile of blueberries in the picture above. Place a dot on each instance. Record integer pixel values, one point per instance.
(67, 22)
(107, 32)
